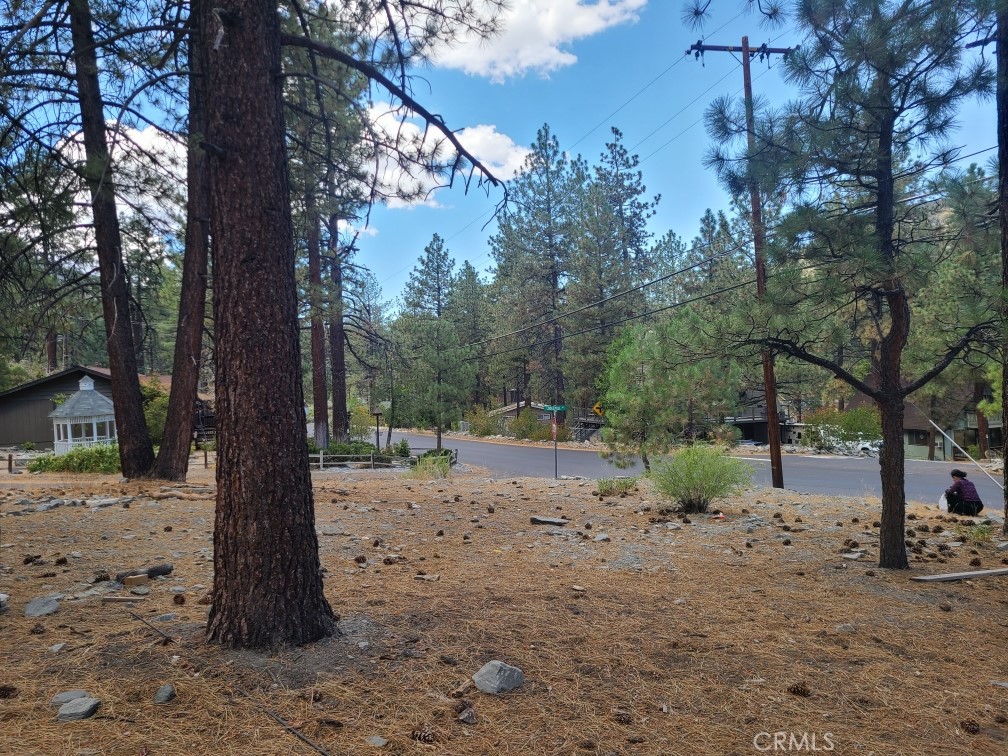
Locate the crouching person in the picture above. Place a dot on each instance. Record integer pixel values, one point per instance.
(962, 496)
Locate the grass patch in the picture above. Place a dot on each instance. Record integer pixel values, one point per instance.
(434, 467)
(616, 486)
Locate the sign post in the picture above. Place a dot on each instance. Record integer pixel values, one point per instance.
(554, 408)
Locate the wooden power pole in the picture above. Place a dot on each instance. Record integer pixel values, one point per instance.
(759, 242)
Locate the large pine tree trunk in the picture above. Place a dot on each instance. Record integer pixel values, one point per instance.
(1002, 135)
(173, 456)
(337, 344)
(320, 396)
(267, 578)
(136, 453)
(892, 550)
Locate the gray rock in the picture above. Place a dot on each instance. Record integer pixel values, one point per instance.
(376, 740)
(140, 590)
(845, 627)
(102, 503)
(602, 538)
(4, 598)
(57, 647)
(40, 607)
(165, 694)
(66, 696)
(537, 520)
(497, 677)
(1002, 546)
(79, 708)
(165, 617)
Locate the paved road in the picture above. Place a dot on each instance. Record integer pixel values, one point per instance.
(840, 476)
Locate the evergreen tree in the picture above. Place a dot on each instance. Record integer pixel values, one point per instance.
(532, 250)
(441, 371)
(879, 86)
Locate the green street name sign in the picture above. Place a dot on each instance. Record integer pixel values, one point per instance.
(555, 407)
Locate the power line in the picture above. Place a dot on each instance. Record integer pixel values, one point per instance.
(628, 319)
(595, 128)
(935, 197)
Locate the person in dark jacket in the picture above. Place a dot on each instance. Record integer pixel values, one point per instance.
(962, 496)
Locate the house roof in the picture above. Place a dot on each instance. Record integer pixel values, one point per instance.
(164, 381)
(85, 403)
(95, 371)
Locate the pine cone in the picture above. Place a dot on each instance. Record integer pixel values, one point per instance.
(799, 689)
(423, 736)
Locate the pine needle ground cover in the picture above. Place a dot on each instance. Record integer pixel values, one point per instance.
(637, 633)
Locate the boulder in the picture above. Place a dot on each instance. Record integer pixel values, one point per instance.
(497, 677)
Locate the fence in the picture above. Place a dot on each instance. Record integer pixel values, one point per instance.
(321, 459)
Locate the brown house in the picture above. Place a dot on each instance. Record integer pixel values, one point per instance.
(24, 409)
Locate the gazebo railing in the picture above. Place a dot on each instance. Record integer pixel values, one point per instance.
(62, 447)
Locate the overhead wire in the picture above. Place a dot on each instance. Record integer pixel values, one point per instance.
(489, 213)
(935, 196)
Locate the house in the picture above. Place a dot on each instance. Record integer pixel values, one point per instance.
(25, 409)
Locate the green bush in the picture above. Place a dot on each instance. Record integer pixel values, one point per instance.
(482, 423)
(103, 458)
(728, 435)
(401, 449)
(28, 446)
(351, 448)
(361, 423)
(827, 428)
(528, 426)
(696, 475)
(156, 414)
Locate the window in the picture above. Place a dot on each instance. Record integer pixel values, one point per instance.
(918, 437)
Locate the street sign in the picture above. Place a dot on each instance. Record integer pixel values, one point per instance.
(597, 409)
(555, 407)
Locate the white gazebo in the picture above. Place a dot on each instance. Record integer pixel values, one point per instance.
(85, 419)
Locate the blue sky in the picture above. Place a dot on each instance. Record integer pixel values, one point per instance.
(583, 66)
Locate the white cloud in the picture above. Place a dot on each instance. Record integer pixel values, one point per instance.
(536, 36)
(497, 151)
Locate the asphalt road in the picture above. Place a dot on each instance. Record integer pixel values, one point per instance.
(831, 475)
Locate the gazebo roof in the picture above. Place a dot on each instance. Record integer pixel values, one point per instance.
(85, 403)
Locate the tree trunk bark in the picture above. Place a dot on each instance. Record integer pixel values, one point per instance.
(52, 361)
(320, 391)
(983, 443)
(267, 588)
(173, 457)
(337, 345)
(1002, 137)
(892, 549)
(136, 453)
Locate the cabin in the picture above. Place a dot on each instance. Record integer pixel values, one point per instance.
(25, 410)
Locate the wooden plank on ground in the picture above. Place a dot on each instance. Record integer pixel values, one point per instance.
(959, 576)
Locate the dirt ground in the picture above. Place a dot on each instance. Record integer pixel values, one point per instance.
(637, 633)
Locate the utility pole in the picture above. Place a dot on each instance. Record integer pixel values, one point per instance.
(759, 241)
